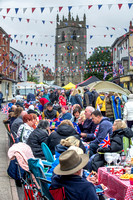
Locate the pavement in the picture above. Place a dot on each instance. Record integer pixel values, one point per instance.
(8, 190)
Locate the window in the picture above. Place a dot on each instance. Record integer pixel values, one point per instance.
(75, 59)
(62, 58)
(74, 35)
(63, 36)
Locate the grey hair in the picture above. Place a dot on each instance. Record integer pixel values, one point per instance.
(91, 109)
(43, 124)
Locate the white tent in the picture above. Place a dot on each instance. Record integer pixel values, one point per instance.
(106, 86)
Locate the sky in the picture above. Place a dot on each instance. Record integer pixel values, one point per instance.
(101, 22)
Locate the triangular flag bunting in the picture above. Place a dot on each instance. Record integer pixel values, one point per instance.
(8, 9)
(99, 7)
(60, 8)
(20, 19)
(109, 6)
(11, 40)
(28, 20)
(111, 36)
(51, 22)
(31, 43)
(42, 9)
(119, 6)
(0, 9)
(89, 6)
(91, 36)
(26, 42)
(125, 29)
(24, 10)
(12, 18)
(51, 8)
(33, 36)
(33, 9)
(27, 36)
(69, 8)
(113, 28)
(41, 44)
(4, 17)
(16, 10)
(43, 21)
(129, 5)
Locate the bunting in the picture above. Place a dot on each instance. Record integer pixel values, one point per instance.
(121, 69)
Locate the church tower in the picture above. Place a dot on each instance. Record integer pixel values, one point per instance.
(70, 50)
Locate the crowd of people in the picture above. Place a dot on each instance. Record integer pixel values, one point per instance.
(74, 127)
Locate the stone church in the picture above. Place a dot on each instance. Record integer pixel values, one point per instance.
(70, 50)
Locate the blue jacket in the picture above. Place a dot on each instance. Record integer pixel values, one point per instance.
(90, 98)
(76, 100)
(105, 127)
(31, 97)
(67, 115)
(76, 187)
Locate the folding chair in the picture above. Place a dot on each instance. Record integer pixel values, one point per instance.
(47, 153)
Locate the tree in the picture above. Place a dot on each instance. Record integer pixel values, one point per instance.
(99, 62)
(33, 79)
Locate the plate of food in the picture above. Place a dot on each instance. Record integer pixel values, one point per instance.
(125, 176)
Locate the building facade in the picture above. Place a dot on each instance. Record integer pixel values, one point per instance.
(70, 50)
(10, 65)
(122, 50)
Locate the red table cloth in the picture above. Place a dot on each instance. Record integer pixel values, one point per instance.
(117, 188)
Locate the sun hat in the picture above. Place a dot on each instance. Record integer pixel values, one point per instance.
(70, 163)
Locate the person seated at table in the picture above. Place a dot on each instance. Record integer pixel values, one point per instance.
(70, 141)
(104, 127)
(64, 113)
(15, 114)
(64, 130)
(50, 113)
(76, 114)
(39, 135)
(87, 127)
(68, 174)
(31, 110)
(25, 129)
(120, 130)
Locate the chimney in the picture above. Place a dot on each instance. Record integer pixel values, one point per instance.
(131, 26)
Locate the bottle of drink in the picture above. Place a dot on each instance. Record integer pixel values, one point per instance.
(123, 157)
(128, 158)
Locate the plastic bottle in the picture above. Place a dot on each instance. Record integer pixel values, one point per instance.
(123, 157)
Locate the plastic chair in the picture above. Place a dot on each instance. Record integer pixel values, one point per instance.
(36, 166)
(37, 169)
(47, 153)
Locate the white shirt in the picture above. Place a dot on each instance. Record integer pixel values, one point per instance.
(128, 111)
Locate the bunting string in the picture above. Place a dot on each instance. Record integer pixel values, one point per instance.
(60, 8)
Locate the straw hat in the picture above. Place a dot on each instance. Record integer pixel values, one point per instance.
(70, 162)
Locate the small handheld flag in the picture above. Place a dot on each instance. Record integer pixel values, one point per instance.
(106, 142)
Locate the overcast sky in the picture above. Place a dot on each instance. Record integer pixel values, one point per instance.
(119, 19)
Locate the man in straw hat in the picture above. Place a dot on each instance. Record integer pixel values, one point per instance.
(68, 174)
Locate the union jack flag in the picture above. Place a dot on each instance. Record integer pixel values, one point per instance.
(121, 69)
(96, 130)
(106, 142)
(114, 72)
(131, 61)
(105, 74)
(5, 109)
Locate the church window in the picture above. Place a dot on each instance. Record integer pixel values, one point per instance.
(63, 36)
(75, 59)
(62, 58)
(74, 35)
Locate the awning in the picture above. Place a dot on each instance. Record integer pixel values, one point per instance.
(91, 79)
(69, 86)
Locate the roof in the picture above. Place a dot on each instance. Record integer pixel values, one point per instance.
(91, 79)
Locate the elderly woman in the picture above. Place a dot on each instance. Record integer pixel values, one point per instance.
(25, 129)
(39, 135)
(120, 130)
(64, 130)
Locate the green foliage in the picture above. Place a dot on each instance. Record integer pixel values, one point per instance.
(32, 79)
(99, 62)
